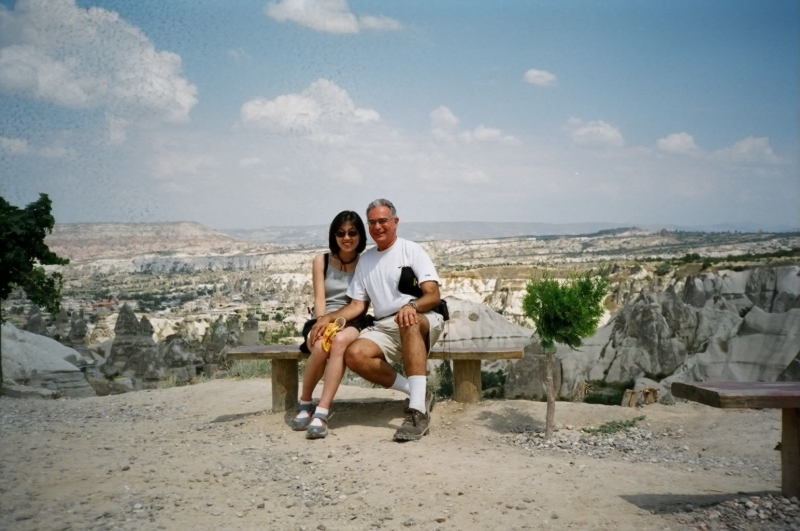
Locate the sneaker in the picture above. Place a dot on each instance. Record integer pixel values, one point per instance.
(301, 423)
(318, 432)
(414, 427)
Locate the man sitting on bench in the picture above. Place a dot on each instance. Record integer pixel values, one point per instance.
(405, 327)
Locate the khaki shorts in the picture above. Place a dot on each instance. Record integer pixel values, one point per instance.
(386, 334)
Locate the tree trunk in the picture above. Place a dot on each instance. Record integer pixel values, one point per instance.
(551, 395)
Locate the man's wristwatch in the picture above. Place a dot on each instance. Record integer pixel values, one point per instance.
(413, 304)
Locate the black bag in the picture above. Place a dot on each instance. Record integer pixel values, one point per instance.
(307, 330)
(409, 285)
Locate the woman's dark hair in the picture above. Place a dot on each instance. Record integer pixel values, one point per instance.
(347, 216)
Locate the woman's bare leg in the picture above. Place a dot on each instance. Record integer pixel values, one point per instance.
(335, 370)
(315, 368)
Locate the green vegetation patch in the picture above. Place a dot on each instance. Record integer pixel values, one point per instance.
(250, 369)
(614, 426)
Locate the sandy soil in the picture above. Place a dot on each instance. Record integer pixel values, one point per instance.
(210, 456)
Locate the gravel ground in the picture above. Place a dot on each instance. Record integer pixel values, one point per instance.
(210, 456)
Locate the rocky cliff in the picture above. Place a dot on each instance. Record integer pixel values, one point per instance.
(728, 325)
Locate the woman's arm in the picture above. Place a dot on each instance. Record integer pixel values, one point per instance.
(318, 283)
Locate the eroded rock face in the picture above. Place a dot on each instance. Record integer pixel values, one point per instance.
(180, 360)
(35, 323)
(101, 331)
(221, 336)
(133, 352)
(250, 332)
(78, 331)
(39, 361)
(699, 335)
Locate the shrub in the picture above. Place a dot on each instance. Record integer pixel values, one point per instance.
(614, 426)
(663, 269)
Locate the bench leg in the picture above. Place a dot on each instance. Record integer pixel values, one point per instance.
(467, 380)
(790, 452)
(284, 385)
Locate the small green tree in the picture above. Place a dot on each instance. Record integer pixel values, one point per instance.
(23, 253)
(564, 312)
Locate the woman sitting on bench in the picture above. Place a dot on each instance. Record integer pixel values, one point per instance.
(331, 274)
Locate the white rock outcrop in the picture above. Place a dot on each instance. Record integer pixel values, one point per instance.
(39, 361)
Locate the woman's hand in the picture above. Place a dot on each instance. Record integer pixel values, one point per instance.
(319, 328)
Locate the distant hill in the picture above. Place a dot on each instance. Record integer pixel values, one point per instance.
(425, 231)
(478, 230)
(81, 241)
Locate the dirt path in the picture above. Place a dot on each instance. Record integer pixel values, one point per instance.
(208, 457)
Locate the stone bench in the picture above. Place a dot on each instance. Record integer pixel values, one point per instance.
(284, 358)
(775, 395)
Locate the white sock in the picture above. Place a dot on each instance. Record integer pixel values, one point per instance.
(303, 414)
(417, 387)
(401, 384)
(318, 422)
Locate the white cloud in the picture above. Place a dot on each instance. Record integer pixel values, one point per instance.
(15, 146)
(540, 78)
(351, 175)
(751, 150)
(320, 110)
(679, 144)
(117, 129)
(444, 127)
(238, 54)
(594, 134)
(170, 164)
(486, 134)
(328, 16)
(249, 162)
(443, 118)
(55, 51)
(56, 152)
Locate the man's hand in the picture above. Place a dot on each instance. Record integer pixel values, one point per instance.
(407, 316)
(319, 328)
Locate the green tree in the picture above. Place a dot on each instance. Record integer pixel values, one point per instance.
(564, 312)
(23, 253)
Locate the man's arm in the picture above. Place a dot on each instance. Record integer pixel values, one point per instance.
(355, 309)
(430, 299)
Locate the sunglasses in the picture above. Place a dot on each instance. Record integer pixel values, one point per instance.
(341, 234)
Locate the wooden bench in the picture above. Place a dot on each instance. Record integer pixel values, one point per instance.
(284, 358)
(774, 395)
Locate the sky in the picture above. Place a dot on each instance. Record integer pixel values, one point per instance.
(260, 113)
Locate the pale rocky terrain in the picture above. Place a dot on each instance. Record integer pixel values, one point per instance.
(210, 456)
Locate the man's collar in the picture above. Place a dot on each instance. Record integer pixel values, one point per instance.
(390, 245)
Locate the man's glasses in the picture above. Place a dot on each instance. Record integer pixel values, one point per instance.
(342, 234)
(381, 222)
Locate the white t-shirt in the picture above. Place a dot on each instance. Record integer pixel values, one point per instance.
(378, 273)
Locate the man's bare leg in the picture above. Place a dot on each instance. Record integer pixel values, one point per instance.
(365, 358)
(415, 351)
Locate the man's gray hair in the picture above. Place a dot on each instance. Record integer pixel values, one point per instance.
(382, 202)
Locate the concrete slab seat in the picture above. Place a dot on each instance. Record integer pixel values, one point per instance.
(284, 358)
(760, 395)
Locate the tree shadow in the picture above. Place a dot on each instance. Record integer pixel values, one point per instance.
(511, 420)
(371, 412)
(676, 503)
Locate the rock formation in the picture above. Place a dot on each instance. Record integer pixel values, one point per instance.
(250, 332)
(101, 331)
(39, 361)
(220, 336)
(180, 360)
(729, 325)
(133, 354)
(35, 323)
